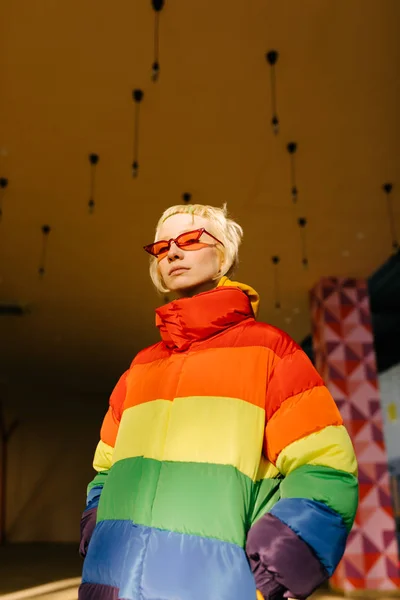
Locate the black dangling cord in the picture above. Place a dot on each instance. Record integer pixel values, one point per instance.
(272, 58)
(275, 261)
(158, 5)
(93, 159)
(186, 197)
(292, 149)
(45, 231)
(137, 96)
(3, 186)
(387, 188)
(302, 222)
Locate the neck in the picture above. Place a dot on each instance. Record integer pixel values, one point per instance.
(198, 289)
(187, 320)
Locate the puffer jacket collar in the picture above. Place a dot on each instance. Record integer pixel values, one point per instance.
(186, 320)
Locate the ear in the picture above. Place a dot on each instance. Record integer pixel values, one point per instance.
(223, 267)
(221, 253)
(165, 290)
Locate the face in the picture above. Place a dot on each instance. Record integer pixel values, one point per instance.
(187, 271)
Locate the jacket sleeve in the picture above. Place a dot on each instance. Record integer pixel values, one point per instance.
(102, 462)
(297, 545)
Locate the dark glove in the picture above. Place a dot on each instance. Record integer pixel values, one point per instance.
(283, 565)
(88, 523)
(265, 580)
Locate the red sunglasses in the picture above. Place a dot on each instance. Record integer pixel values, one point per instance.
(190, 240)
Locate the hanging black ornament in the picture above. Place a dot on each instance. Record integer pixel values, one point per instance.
(42, 266)
(157, 5)
(187, 197)
(3, 187)
(275, 261)
(292, 149)
(272, 58)
(387, 188)
(137, 96)
(93, 159)
(302, 222)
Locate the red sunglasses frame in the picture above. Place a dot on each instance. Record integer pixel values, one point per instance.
(149, 247)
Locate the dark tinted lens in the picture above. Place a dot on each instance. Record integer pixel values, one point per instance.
(191, 237)
(160, 248)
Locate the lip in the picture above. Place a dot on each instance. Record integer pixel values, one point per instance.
(177, 270)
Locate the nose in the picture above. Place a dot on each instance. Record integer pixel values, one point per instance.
(174, 252)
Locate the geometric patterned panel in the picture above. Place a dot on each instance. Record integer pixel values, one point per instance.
(345, 358)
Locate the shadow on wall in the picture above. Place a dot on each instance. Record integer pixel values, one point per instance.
(50, 463)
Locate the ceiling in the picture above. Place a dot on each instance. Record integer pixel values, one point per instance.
(67, 74)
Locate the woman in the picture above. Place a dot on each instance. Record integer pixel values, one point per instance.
(223, 464)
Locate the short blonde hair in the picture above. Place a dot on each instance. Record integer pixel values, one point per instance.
(225, 229)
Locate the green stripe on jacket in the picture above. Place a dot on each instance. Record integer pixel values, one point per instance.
(204, 499)
(337, 489)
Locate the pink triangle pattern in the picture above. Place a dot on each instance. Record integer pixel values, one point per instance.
(345, 358)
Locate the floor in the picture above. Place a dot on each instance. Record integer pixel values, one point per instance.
(24, 566)
(56, 568)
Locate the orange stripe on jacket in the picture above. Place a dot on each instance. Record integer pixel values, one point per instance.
(109, 428)
(156, 380)
(226, 372)
(293, 374)
(299, 416)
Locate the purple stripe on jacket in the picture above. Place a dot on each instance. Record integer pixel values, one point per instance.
(97, 591)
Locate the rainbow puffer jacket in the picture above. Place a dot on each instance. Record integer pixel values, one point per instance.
(223, 464)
